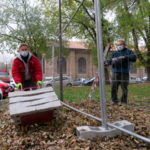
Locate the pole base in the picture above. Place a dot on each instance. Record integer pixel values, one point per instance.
(89, 132)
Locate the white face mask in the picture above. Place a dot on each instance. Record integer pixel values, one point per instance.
(24, 53)
(120, 47)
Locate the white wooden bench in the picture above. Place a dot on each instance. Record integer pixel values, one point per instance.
(28, 107)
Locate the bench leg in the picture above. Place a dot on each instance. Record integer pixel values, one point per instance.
(24, 128)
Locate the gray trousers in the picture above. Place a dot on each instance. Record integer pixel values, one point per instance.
(121, 79)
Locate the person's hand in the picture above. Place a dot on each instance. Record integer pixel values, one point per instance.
(121, 57)
(19, 85)
(114, 60)
(39, 83)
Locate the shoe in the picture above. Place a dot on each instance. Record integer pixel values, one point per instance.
(114, 103)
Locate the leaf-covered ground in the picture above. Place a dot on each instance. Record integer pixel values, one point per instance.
(61, 134)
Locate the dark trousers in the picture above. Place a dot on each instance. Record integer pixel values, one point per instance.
(29, 84)
(121, 79)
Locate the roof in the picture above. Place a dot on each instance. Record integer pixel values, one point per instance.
(76, 45)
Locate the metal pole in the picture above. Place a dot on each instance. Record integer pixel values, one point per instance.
(100, 63)
(60, 54)
(6, 65)
(53, 55)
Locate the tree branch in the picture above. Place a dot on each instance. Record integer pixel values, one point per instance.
(86, 10)
(12, 37)
(92, 33)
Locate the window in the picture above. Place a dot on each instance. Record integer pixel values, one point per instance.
(63, 62)
(81, 65)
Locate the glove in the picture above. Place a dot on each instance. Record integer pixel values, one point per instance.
(18, 85)
(121, 57)
(39, 83)
(114, 60)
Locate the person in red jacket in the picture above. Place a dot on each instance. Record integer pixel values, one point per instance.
(26, 69)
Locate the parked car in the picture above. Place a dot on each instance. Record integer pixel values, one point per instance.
(79, 82)
(4, 76)
(144, 79)
(67, 81)
(135, 80)
(89, 82)
(5, 88)
(47, 82)
(139, 80)
(12, 83)
(49, 78)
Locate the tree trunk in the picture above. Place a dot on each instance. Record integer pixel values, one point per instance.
(106, 68)
(137, 51)
(148, 63)
(107, 75)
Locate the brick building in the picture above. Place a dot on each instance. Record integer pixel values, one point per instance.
(78, 64)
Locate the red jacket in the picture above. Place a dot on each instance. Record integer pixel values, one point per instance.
(34, 66)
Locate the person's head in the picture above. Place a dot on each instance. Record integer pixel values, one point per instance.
(23, 49)
(121, 44)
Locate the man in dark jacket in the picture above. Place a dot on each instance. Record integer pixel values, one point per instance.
(26, 69)
(120, 61)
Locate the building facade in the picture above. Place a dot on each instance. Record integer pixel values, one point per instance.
(78, 64)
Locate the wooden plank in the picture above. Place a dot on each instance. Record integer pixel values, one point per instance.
(19, 109)
(52, 96)
(30, 104)
(34, 103)
(33, 92)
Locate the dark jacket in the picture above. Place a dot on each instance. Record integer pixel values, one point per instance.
(19, 69)
(122, 65)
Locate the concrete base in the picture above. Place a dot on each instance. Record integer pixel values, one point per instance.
(88, 132)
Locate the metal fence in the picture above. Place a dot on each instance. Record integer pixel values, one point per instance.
(104, 119)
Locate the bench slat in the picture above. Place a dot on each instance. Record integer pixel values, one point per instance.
(19, 109)
(33, 92)
(26, 98)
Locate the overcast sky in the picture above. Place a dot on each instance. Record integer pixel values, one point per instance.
(6, 58)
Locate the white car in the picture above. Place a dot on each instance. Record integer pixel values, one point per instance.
(78, 82)
(139, 80)
(144, 79)
(47, 82)
(132, 80)
(67, 81)
(12, 83)
(49, 78)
